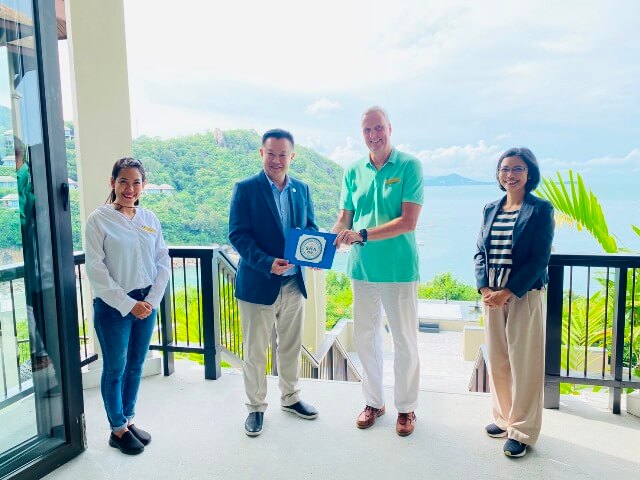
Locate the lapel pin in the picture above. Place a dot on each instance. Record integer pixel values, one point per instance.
(294, 190)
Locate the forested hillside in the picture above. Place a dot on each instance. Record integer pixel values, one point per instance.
(204, 167)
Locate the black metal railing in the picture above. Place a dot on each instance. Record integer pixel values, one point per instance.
(87, 356)
(186, 320)
(199, 315)
(593, 324)
(15, 343)
(227, 306)
(15, 358)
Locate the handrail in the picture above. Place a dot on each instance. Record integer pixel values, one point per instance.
(611, 260)
(330, 342)
(479, 381)
(317, 361)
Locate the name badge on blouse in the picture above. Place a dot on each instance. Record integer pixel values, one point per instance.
(391, 181)
(149, 229)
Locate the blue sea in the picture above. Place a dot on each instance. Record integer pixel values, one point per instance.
(451, 217)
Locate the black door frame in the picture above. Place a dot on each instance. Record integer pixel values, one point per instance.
(55, 183)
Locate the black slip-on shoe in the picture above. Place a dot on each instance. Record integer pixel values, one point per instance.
(514, 448)
(302, 409)
(495, 431)
(128, 444)
(253, 424)
(144, 437)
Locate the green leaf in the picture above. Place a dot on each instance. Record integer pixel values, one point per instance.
(580, 207)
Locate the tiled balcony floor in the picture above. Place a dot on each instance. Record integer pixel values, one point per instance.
(197, 429)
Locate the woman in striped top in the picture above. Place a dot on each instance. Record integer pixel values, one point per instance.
(511, 261)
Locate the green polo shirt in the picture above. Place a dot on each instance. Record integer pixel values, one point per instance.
(376, 197)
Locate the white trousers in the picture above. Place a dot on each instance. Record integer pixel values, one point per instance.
(515, 337)
(400, 304)
(287, 313)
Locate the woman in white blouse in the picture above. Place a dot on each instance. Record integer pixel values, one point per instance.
(128, 267)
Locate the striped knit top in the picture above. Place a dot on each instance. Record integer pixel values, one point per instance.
(500, 242)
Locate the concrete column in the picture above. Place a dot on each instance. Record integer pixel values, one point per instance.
(100, 93)
(315, 310)
(100, 96)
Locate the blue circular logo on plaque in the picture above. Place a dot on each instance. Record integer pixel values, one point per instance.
(311, 248)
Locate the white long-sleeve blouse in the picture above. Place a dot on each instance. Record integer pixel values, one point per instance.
(123, 254)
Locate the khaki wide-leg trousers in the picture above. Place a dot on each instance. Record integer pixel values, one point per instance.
(515, 337)
(287, 313)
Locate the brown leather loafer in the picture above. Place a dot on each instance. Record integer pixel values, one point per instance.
(405, 424)
(368, 416)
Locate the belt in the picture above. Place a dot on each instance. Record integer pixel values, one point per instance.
(139, 293)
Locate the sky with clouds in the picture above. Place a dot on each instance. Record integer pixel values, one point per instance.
(461, 80)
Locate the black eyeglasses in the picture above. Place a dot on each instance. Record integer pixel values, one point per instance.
(518, 169)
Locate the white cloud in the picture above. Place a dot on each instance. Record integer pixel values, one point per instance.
(322, 107)
(473, 161)
(568, 44)
(184, 121)
(608, 164)
(527, 68)
(312, 143)
(346, 154)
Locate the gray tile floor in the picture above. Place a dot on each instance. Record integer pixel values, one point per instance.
(198, 434)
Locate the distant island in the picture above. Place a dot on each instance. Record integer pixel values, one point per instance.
(453, 179)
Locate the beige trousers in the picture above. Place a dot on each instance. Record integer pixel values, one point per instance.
(287, 313)
(515, 337)
(400, 303)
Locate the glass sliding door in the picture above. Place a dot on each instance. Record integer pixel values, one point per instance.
(41, 420)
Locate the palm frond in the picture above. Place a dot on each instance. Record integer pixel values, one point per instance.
(580, 205)
(563, 219)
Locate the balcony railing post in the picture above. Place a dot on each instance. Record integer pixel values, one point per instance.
(554, 337)
(330, 370)
(210, 315)
(274, 352)
(166, 332)
(617, 340)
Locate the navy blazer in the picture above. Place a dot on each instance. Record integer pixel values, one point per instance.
(255, 231)
(531, 249)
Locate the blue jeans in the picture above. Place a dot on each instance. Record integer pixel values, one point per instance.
(124, 342)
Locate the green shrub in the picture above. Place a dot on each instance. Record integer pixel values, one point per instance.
(445, 287)
(339, 298)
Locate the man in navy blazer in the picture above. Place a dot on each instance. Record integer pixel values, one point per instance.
(270, 290)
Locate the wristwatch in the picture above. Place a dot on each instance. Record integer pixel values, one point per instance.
(363, 233)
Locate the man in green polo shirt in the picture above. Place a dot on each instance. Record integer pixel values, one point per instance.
(380, 205)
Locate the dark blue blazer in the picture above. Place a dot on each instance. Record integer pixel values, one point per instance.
(532, 238)
(255, 231)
